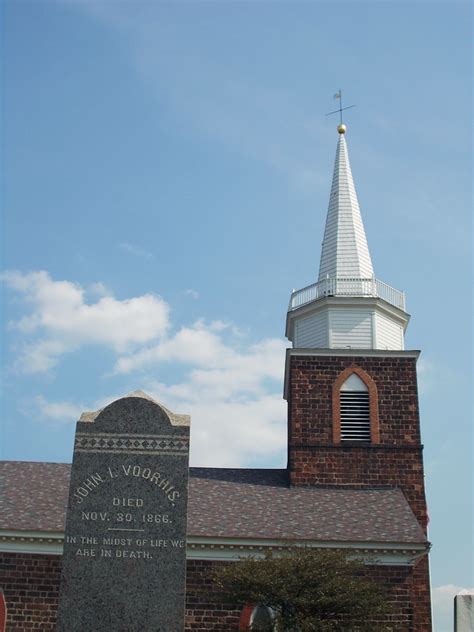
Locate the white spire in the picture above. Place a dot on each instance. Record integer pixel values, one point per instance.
(344, 251)
(347, 308)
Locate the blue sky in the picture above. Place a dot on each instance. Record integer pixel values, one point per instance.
(165, 179)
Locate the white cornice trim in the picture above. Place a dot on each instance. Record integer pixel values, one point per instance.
(355, 352)
(345, 302)
(226, 549)
(46, 542)
(358, 353)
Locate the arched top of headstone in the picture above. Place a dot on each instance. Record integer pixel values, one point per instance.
(136, 407)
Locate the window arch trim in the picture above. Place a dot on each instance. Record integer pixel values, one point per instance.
(373, 403)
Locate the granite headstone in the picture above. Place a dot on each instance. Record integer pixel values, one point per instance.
(124, 561)
(464, 611)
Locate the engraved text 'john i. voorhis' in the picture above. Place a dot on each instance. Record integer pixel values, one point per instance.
(145, 473)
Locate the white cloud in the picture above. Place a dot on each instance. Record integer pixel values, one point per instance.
(231, 388)
(135, 250)
(233, 392)
(425, 372)
(60, 319)
(198, 345)
(42, 356)
(216, 365)
(99, 289)
(225, 432)
(443, 606)
(192, 293)
(235, 401)
(64, 412)
(229, 433)
(236, 406)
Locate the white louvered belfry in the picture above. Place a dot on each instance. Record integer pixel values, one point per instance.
(347, 308)
(354, 410)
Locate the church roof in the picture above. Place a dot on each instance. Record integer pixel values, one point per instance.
(228, 503)
(345, 252)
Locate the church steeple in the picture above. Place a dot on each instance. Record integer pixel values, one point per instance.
(345, 252)
(347, 308)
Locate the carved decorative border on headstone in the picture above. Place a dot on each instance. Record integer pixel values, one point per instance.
(131, 444)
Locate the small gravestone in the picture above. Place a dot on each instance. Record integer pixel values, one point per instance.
(124, 559)
(464, 611)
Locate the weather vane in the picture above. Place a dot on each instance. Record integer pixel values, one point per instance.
(341, 127)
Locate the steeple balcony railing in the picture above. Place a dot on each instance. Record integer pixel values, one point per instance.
(347, 286)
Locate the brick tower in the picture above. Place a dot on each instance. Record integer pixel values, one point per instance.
(351, 387)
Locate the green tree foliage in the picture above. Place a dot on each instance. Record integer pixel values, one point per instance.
(309, 590)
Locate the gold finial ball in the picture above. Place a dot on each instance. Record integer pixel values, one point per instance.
(341, 128)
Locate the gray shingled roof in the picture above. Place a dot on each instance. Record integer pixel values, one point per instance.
(33, 496)
(228, 503)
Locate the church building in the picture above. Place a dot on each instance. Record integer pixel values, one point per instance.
(354, 478)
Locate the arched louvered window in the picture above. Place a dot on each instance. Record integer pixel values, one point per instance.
(354, 405)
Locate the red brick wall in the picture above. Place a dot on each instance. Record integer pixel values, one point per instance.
(31, 586)
(314, 458)
(395, 460)
(421, 596)
(312, 377)
(205, 607)
(410, 603)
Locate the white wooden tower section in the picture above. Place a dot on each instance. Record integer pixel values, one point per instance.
(347, 308)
